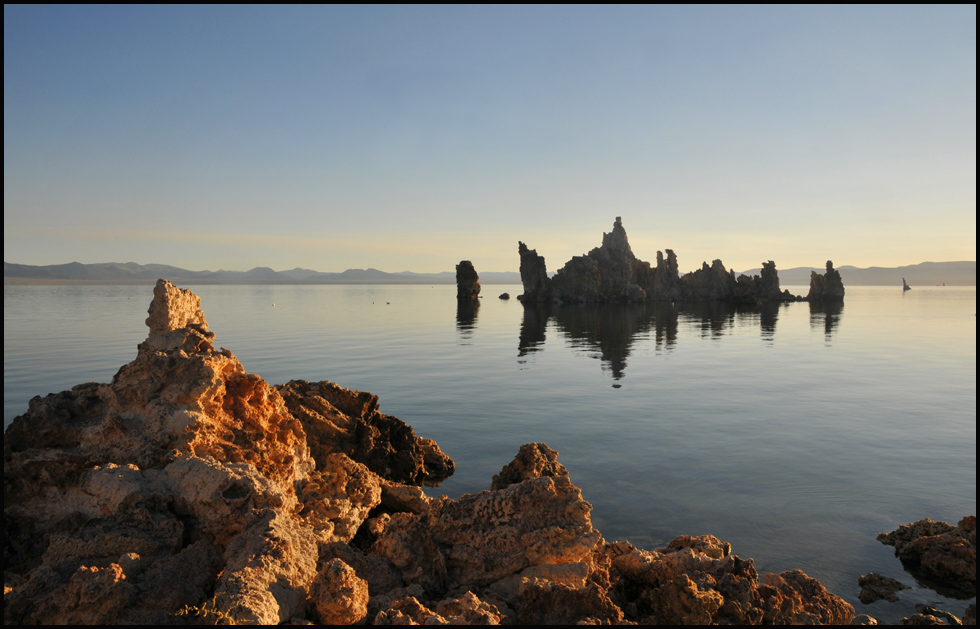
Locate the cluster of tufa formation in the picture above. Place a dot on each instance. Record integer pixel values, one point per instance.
(611, 273)
(188, 487)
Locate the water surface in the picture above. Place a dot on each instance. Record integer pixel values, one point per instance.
(795, 433)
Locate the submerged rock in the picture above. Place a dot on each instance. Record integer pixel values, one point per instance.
(875, 587)
(187, 486)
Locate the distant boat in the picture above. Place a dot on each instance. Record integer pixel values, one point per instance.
(905, 285)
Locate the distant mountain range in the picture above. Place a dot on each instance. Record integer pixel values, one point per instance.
(132, 273)
(924, 274)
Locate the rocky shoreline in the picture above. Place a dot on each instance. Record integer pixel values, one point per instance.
(188, 490)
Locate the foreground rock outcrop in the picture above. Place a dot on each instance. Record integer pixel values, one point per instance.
(939, 554)
(188, 489)
(612, 273)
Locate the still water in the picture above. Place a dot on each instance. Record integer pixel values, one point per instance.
(795, 433)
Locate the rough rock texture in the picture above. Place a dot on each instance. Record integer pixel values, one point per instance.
(467, 281)
(340, 420)
(826, 287)
(695, 580)
(928, 610)
(339, 596)
(466, 610)
(612, 273)
(533, 460)
(188, 482)
(527, 547)
(921, 619)
(190, 488)
(875, 587)
(942, 555)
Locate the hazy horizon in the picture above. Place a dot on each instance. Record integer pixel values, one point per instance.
(551, 268)
(415, 137)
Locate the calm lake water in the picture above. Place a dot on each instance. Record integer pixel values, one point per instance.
(796, 434)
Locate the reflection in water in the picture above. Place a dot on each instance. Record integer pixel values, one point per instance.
(466, 314)
(768, 313)
(665, 323)
(532, 329)
(826, 314)
(612, 329)
(713, 319)
(609, 328)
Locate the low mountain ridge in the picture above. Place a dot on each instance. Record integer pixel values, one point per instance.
(960, 273)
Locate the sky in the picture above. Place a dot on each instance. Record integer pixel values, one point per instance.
(410, 138)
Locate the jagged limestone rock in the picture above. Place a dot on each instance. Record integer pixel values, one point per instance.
(187, 481)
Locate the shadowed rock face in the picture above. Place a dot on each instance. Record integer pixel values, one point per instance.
(941, 555)
(875, 587)
(467, 281)
(534, 276)
(607, 273)
(188, 484)
(827, 286)
(340, 420)
(611, 273)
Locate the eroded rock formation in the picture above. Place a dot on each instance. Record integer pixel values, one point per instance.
(826, 286)
(612, 273)
(467, 281)
(336, 419)
(534, 275)
(939, 554)
(187, 486)
(187, 481)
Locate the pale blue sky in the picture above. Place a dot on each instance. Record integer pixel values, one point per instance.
(408, 138)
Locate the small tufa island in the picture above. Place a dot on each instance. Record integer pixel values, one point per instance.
(611, 273)
(188, 490)
(467, 281)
